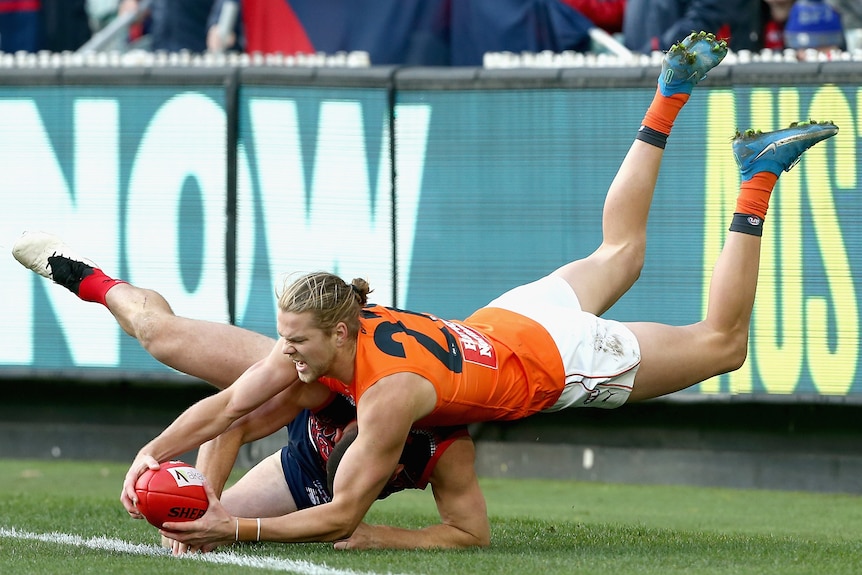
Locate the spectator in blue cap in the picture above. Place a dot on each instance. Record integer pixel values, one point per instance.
(813, 25)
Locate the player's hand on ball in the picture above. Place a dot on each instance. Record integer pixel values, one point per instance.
(128, 497)
(173, 492)
(217, 527)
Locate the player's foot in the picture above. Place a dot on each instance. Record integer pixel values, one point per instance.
(48, 256)
(687, 62)
(777, 151)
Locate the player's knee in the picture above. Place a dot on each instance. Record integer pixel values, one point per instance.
(150, 333)
(632, 254)
(630, 257)
(736, 349)
(626, 258)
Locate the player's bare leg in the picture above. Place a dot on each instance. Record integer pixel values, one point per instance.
(214, 352)
(261, 492)
(196, 347)
(673, 358)
(601, 278)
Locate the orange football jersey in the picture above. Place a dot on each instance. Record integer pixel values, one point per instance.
(495, 365)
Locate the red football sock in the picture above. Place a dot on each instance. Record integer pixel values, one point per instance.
(663, 111)
(754, 194)
(96, 285)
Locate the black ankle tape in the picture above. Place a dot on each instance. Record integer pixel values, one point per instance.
(747, 224)
(652, 137)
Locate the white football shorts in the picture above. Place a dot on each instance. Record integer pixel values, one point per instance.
(601, 356)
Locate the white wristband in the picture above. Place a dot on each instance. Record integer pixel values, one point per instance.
(258, 528)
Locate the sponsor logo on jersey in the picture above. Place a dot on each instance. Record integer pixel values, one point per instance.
(476, 347)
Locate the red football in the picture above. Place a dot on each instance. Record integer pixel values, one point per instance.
(174, 492)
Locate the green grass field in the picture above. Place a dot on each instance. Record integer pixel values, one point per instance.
(65, 517)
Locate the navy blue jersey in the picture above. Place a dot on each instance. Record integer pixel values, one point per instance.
(312, 437)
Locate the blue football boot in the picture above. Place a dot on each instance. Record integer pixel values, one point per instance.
(687, 62)
(777, 151)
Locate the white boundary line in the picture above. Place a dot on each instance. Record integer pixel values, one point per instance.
(219, 557)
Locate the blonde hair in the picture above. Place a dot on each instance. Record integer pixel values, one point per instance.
(328, 297)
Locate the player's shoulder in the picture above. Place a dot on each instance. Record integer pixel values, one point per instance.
(376, 312)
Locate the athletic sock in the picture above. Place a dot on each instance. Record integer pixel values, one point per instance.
(752, 203)
(96, 285)
(659, 118)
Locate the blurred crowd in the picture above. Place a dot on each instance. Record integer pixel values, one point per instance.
(425, 32)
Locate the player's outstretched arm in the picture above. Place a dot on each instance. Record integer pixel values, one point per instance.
(213, 415)
(463, 513)
(197, 424)
(385, 413)
(217, 456)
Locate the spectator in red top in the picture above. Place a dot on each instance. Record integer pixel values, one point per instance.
(606, 14)
(777, 12)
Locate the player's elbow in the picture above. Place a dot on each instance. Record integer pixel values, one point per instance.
(233, 412)
(342, 528)
(473, 536)
(343, 521)
(469, 540)
(482, 538)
